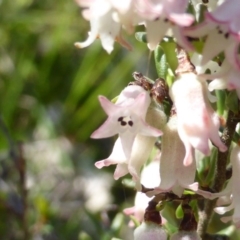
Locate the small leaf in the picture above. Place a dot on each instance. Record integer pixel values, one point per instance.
(160, 62)
(141, 36)
(179, 212)
(221, 98)
(212, 166)
(84, 236)
(232, 101)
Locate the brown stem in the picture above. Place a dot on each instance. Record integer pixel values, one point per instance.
(220, 177)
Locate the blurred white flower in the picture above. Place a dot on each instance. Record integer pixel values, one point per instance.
(101, 14)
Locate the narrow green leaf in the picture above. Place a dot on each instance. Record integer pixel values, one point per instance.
(221, 98)
(212, 166)
(160, 62)
(141, 36)
(232, 101)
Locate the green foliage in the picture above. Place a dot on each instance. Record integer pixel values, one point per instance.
(49, 103)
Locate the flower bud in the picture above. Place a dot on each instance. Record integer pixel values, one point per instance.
(150, 231)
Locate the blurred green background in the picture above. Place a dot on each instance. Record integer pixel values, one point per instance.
(49, 187)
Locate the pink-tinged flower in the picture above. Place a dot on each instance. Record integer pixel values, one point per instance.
(162, 17)
(222, 27)
(100, 14)
(149, 231)
(174, 176)
(197, 121)
(140, 151)
(126, 118)
(231, 194)
(226, 77)
(149, 178)
(185, 235)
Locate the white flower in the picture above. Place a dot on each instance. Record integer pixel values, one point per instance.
(100, 14)
(197, 121)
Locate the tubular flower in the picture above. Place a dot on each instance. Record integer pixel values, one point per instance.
(161, 16)
(197, 121)
(222, 25)
(126, 117)
(226, 77)
(173, 174)
(100, 14)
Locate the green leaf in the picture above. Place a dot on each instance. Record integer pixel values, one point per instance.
(221, 98)
(141, 36)
(232, 101)
(84, 236)
(169, 50)
(179, 212)
(160, 62)
(212, 166)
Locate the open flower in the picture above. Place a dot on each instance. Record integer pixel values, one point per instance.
(161, 16)
(174, 176)
(222, 27)
(126, 118)
(197, 121)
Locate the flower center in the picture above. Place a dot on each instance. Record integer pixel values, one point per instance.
(125, 121)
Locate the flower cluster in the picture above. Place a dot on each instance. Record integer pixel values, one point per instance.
(108, 18)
